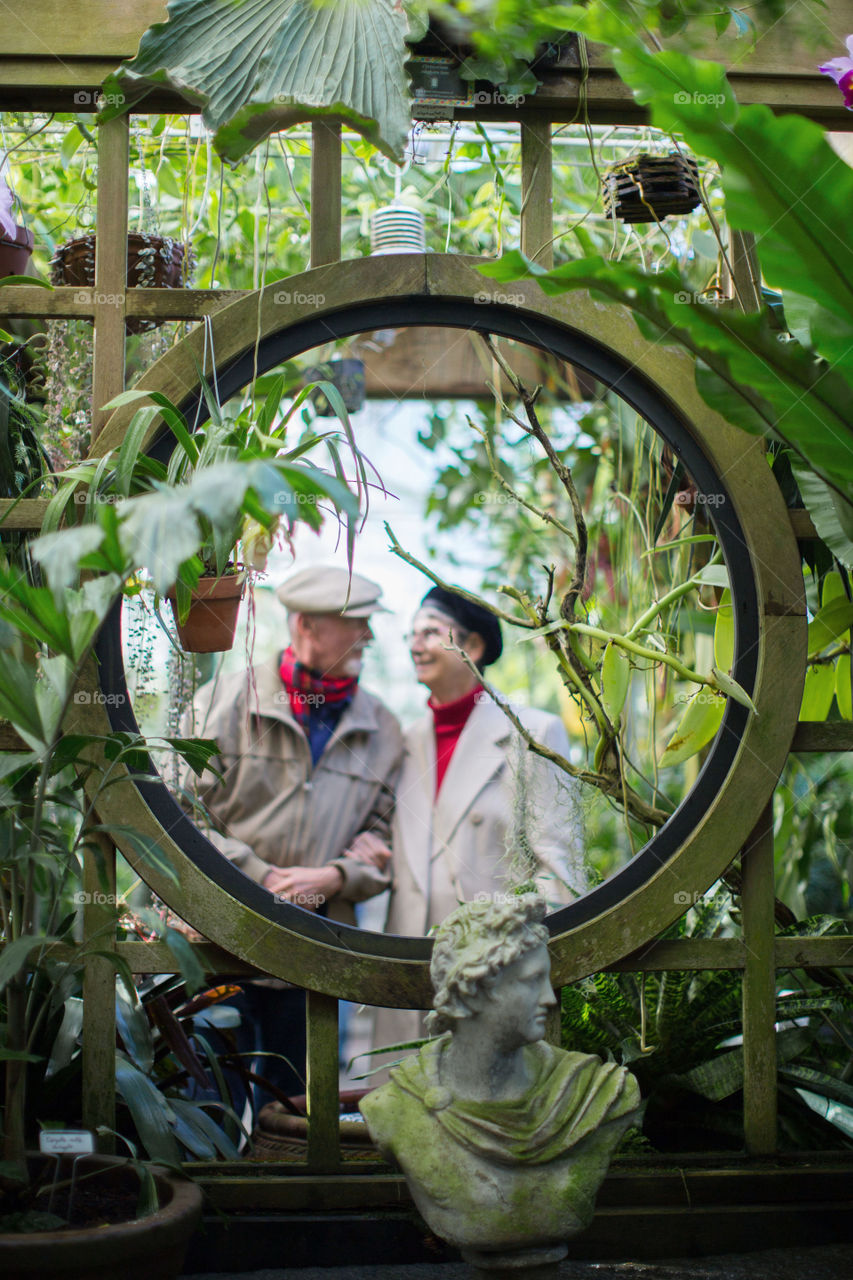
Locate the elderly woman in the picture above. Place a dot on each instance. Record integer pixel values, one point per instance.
(476, 811)
(470, 788)
(503, 1139)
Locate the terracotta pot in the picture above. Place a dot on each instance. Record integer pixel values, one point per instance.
(212, 620)
(15, 254)
(136, 1250)
(281, 1136)
(154, 262)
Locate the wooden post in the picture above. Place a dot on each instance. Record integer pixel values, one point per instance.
(110, 267)
(324, 1143)
(759, 989)
(99, 993)
(746, 275)
(325, 193)
(537, 198)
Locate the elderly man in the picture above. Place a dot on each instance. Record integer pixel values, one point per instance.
(309, 762)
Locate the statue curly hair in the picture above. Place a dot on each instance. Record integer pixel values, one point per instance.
(474, 944)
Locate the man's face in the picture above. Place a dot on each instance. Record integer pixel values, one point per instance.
(332, 645)
(513, 1012)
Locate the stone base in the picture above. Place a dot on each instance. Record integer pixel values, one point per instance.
(517, 1264)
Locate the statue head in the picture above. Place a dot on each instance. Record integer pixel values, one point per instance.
(474, 946)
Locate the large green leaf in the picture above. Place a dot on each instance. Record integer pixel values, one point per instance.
(744, 371)
(696, 728)
(263, 65)
(833, 518)
(151, 1113)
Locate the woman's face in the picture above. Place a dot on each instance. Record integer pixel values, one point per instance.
(431, 634)
(514, 1010)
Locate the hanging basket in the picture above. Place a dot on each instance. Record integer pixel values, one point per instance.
(347, 375)
(650, 188)
(210, 625)
(15, 253)
(153, 262)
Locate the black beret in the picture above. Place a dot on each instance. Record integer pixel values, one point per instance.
(473, 617)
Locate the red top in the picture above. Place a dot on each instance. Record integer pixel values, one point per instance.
(450, 719)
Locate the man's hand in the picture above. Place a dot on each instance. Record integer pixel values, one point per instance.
(307, 887)
(369, 849)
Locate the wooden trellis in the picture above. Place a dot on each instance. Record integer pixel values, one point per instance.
(606, 941)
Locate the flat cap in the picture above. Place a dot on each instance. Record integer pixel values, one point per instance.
(323, 588)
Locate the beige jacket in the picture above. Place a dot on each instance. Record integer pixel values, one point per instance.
(450, 849)
(273, 808)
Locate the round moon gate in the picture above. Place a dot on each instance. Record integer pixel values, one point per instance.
(729, 467)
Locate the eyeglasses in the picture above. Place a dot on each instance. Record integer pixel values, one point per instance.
(428, 635)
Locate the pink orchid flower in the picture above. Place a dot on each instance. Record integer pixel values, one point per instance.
(7, 218)
(841, 70)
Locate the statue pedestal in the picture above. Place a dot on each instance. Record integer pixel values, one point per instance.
(517, 1264)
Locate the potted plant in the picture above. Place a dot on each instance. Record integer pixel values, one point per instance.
(16, 242)
(259, 485)
(153, 262)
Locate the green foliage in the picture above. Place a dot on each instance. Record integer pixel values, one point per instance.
(260, 67)
(680, 1033)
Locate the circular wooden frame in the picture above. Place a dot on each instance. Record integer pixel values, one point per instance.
(709, 827)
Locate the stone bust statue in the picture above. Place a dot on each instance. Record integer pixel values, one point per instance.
(503, 1139)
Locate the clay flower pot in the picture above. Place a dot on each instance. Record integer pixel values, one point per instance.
(212, 620)
(153, 262)
(15, 252)
(138, 1249)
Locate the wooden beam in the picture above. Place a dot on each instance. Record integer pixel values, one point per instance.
(324, 1142)
(99, 992)
(759, 990)
(537, 193)
(823, 735)
(110, 268)
(325, 193)
(23, 513)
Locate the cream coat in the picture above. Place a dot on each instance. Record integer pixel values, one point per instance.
(450, 849)
(273, 808)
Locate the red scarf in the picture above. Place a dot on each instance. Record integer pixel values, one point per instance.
(450, 719)
(309, 690)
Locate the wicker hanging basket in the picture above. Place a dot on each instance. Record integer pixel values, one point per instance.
(649, 188)
(153, 262)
